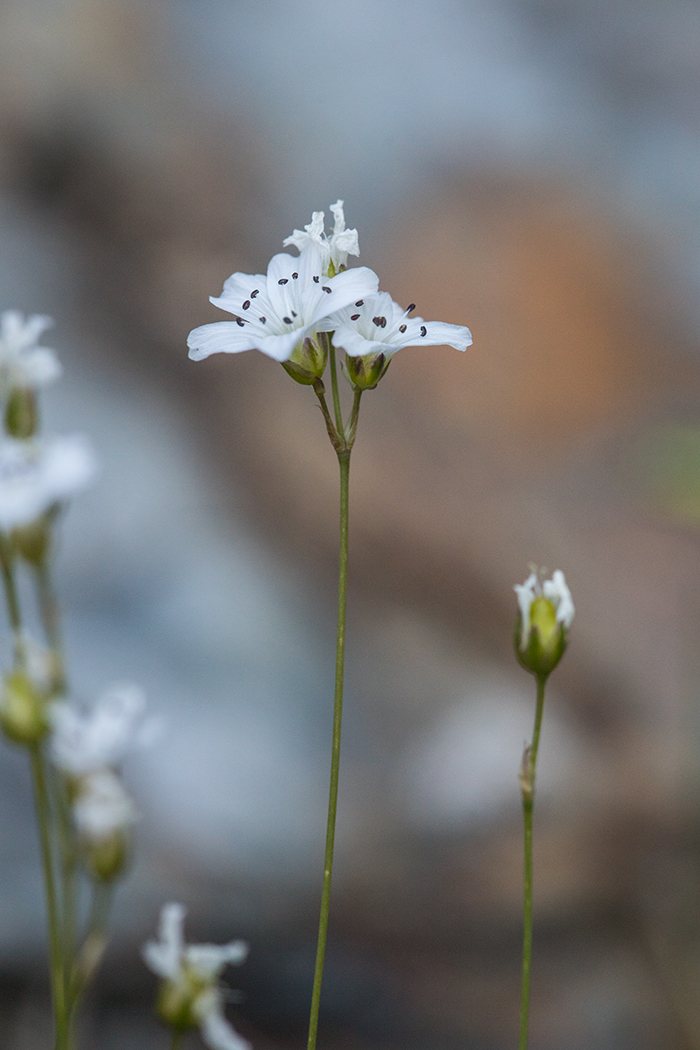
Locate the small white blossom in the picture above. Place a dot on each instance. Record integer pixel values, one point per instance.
(378, 325)
(34, 475)
(555, 590)
(192, 971)
(87, 741)
(22, 362)
(334, 249)
(102, 806)
(275, 312)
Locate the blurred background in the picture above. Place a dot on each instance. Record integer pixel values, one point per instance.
(526, 167)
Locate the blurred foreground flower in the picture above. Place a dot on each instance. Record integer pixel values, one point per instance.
(35, 475)
(334, 250)
(545, 613)
(84, 741)
(190, 996)
(22, 362)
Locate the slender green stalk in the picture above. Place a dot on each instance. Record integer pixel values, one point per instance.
(13, 610)
(51, 620)
(342, 442)
(43, 813)
(527, 779)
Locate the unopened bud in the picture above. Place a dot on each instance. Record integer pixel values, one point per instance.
(176, 999)
(308, 361)
(23, 710)
(545, 612)
(21, 414)
(107, 858)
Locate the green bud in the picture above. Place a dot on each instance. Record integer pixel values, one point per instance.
(308, 361)
(175, 1001)
(107, 858)
(546, 641)
(32, 541)
(23, 710)
(21, 413)
(365, 372)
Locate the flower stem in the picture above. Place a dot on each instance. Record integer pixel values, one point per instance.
(51, 620)
(527, 779)
(43, 813)
(13, 610)
(336, 392)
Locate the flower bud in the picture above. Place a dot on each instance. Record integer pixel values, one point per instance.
(308, 361)
(106, 858)
(32, 542)
(545, 612)
(21, 415)
(365, 372)
(23, 710)
(176, 1000)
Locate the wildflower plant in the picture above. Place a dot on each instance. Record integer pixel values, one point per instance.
(84, 812)
(304, 312)
(545, 614)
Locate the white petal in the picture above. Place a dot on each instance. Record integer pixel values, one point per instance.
(102, 805)
(357, 283)
(355, 345)
(557, 591)
(526, 592)
(218, 1034)
(163, 957)
(221, 337)
(209, 959)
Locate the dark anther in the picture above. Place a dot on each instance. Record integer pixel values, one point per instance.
(294, 276)
(423, 330)
(382, 322)
(353, 317)
(240, 322)
(412, 306)
(263, 320)
(360, 302)
(316, 280)
(402, 328)
(326, 288)
(293, 314)
(377, 321)
(254, 293)
(246, 304)
(283, 280)
(287, 320)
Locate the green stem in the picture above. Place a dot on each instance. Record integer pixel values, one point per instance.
(43, 812)
(344, 463)
(51, 620)
(336, 392)
(528, 775)
(12, 599)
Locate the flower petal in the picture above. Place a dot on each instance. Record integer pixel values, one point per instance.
(164, 956)
(221, 337)
(218, 1034)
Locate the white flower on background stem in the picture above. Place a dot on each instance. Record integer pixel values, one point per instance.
(102, 806)
(87, 741)
(22, 362)
(190, 995)
(334, 249)
(36, 474)
(277, 311)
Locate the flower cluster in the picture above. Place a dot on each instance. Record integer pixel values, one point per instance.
(287, 312)
(89, 746)
(190, 995)
(545, 613)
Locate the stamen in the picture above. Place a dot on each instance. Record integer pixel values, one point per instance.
(246, 304)
(377, 321)
(354, 317)
(293, 313)
(287, 320)
(254, 293)
(240, 321)
(326, 288)
(411, 306)
(360, 302)
(263, 320)
(402, 328)
(316, 279)
(283, 280)
(423, 330)
(294, 276)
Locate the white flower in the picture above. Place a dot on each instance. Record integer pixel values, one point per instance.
(102, 806)
(34, 475)
(377, 325)
(555, 590)
(191, 995)
(22, 362)
(88, 741)
(335, 249)
(277, 311)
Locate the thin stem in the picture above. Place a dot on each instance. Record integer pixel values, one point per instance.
(336, 392)
(344, 463)
(12, 599)
(51, 620)
(527, 776)
(94, 941)
(43, 812)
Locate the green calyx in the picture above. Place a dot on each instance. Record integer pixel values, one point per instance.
(365, 372)
(542, 649)
(21, 413)
(176, 1000)
(308, 361)
(23, 710)
(107, 858)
